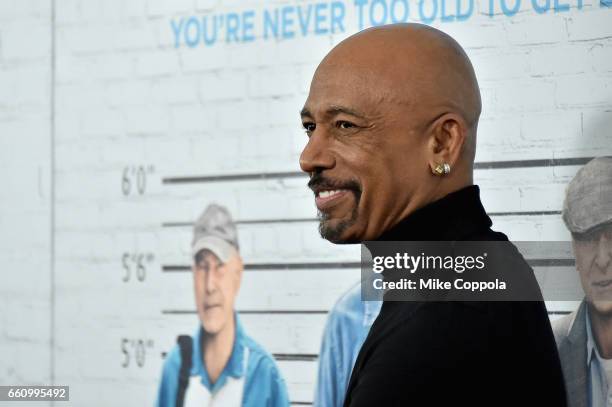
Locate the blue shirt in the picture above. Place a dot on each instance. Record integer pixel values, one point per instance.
(264, 386)
(599, 395)
(347, 326)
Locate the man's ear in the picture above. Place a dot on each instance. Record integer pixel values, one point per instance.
(447, 139)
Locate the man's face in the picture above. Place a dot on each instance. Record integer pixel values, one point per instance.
(364, 152)
(593, 253)
(216, 285)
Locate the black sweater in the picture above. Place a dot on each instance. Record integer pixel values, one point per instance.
(457, 353)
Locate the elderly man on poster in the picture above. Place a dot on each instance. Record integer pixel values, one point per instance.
(584, 337)
(220, 366)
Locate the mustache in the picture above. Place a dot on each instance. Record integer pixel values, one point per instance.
(318, 181)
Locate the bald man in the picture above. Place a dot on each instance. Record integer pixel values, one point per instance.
(391, 120)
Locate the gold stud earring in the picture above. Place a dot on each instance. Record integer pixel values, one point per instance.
(442, 169)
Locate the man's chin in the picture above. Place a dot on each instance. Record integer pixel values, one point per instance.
(212, 326)
(336, 231)
(211, 329)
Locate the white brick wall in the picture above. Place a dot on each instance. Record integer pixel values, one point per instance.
(25, 197)
(126, 97)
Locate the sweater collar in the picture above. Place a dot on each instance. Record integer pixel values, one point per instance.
(456, 216)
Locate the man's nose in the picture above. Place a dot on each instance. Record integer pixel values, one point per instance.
(210, 280)
(316, 154)
(604, 252)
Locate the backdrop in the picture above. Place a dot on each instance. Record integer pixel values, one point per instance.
(121, 120)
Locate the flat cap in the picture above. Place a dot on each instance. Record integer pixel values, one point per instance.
(588, 197)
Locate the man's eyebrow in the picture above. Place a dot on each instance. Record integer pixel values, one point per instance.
(335, 110)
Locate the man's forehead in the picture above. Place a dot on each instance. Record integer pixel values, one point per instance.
(358, 76)
(354, 92)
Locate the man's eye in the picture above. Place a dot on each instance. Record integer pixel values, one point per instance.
(342, 124)
(309, 127)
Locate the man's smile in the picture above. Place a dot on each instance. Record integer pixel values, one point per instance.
(325, 199)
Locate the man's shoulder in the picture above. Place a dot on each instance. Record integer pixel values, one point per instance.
(436, 321)
(173, 357)
(475, 319)
(172, 363)
(263, 372)
(349, 306)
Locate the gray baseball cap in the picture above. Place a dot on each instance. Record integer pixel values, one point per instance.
(216, 231)
(588, 197)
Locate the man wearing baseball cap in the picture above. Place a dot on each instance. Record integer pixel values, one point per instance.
(221, 366)
(584, 338)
